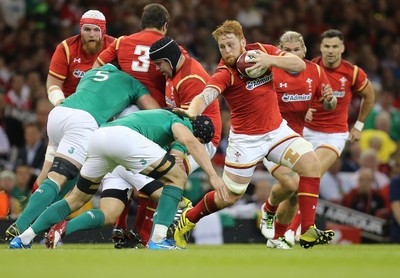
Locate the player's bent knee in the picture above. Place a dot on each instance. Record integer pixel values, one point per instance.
(118, 194)
(290, 183)
(234, 187)
(296, 149)
(87, 186)
(64, 167)
(152, 187)
(166, 164)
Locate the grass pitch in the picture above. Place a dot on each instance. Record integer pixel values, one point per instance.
(229, 260)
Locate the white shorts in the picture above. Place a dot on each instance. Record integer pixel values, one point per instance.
(210, 149)
(334, 141)
(244, 152)
(69, 131)
(122, 179)
(119, 145)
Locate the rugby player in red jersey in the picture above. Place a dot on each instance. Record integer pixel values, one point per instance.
(257, 131)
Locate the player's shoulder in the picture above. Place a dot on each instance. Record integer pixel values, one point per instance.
(310, 65)
(71, 40)
(347, 64)
(317, 60)
(109, 39)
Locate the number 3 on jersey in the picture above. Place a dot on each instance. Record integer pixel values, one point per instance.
(144, 58)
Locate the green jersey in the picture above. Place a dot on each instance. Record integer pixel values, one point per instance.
(105, 92)
(155, 125)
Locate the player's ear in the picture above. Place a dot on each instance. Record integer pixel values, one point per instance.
(243, 42)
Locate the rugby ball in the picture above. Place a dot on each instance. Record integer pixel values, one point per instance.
(245, 61)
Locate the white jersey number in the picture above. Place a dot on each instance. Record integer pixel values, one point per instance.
(101, 76)
(144, 59)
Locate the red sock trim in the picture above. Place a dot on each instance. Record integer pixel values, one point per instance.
(280, 229)
(147, 226)
(295, 222)
(34, 187)
(308, 200)
(203, 208)
(270, 208)
(142, 200)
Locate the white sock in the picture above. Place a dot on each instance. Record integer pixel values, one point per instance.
(159, 232)
(27, 236)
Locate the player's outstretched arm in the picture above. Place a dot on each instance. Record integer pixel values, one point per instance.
(185, 137)
(148, 102)
(367, 103)
(54, 91)
(199, 103)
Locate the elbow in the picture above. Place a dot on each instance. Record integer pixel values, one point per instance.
(301, 66)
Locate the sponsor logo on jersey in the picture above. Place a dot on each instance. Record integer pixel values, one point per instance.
(78, 74)
(296, 97)
(170, 102)
(339, 93)
(77, 60)
(252, 84)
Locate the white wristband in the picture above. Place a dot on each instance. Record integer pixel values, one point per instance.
(55, 94)
(359, 125)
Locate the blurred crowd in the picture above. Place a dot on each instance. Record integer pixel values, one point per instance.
(360, 179)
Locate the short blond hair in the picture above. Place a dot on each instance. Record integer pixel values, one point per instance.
(292, 36)
(229, 27)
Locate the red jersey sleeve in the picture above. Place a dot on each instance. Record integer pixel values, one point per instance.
(188, 88)
(221, 79)
(360, 79)
(110, 53)
(59, 62)
(267, 48)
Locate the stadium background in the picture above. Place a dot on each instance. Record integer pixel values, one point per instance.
(30, 30)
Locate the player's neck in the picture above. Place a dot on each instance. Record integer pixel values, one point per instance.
(332, 65)
(162, 32)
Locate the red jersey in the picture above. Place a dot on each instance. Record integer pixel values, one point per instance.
(345, 80)
(253, 102)
(296, 91)
(132, 53)
(69, 62)
(188, 82)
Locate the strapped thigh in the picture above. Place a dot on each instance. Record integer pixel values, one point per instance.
(165, 165)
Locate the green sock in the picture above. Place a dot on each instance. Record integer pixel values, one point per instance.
(90, 219)
(66, 189)
(38, 202)
(167, 205)
(52, 215)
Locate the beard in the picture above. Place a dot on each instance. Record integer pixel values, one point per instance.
(91, 47)
(230, 60)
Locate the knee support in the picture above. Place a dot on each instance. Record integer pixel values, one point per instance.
(152, 186)
(64, 167)
(294, 151)
(87, 186)
(234, 187)
(165, 165)
(119, 194)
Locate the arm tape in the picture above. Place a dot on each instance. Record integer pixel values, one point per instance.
(359, 125)
(55, 94)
